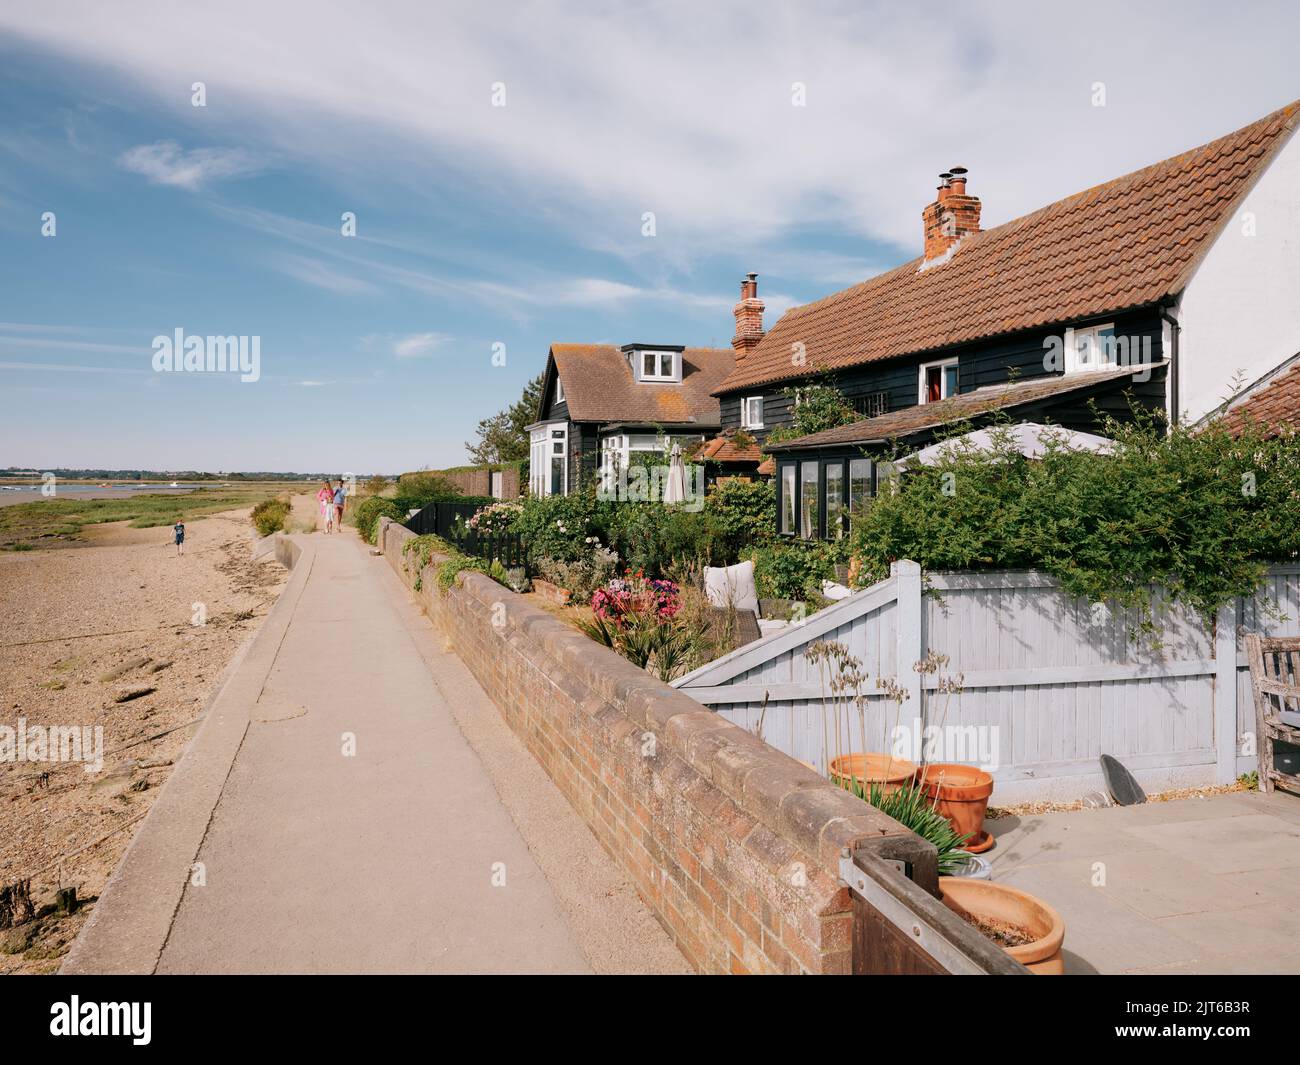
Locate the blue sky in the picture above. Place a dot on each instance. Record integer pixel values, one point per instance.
(520, 225)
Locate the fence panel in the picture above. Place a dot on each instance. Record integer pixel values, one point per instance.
(1050, 682)
(439, 518)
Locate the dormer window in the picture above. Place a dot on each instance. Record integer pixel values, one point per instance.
(659, 366)
(655, 364)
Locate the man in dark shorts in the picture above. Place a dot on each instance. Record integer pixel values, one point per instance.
(178, 531)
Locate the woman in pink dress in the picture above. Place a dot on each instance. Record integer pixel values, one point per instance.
(325, 500)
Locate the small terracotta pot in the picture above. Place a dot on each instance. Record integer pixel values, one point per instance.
(961, 793)
(997, 902)
(883, 769)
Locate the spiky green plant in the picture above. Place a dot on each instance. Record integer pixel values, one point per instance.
(911, 807)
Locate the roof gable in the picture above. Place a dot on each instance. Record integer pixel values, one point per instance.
(1127, 243)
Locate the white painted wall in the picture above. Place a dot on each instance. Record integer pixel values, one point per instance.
(1241, 311)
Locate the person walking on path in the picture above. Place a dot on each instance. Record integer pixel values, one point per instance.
(340, 500)
(325, 500)
(178, 532)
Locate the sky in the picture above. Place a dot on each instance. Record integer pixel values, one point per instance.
(500, 161)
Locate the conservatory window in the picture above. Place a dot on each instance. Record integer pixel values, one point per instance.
(809, 525)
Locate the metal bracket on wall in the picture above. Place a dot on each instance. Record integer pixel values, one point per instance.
(929, 939)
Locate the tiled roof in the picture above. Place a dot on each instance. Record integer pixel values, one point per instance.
(724, 448)
(1128, 243)
(910, 420)
(598, 386)
(1274, 405)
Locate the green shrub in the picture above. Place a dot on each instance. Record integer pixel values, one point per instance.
(424, 487)
(370, 510)
(794, 569)
(582, 577)
(448, 568)
(269, 516)
(814, 408)
(652, 537)
(563, 528)
(1201, 513)
(743, 513)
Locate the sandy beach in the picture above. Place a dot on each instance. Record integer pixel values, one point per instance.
(124, 635)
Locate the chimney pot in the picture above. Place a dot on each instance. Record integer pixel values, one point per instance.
(951, 216)
(749, 317)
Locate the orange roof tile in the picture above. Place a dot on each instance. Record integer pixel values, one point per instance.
(1128, 243)
(1275, 404)
(725, 448)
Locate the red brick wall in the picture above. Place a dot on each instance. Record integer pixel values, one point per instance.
(733, 845)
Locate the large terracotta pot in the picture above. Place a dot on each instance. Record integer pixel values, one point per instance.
(961, 793)
(889, 772)
(997, 902)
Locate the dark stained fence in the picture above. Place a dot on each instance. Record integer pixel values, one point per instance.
(439, 518)
(504, 547)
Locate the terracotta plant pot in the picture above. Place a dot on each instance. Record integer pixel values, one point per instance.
(1007, 905)
(961, 794)
(889, 772)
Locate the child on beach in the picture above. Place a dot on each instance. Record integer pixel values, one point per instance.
(178, 531)
(325, 499)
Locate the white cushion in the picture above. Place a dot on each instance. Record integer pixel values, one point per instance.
(731, 586)
(831, 590)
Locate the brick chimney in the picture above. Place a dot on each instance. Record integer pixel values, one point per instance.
(952, 215)
(749, 318)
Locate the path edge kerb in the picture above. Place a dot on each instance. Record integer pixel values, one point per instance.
(128, 928)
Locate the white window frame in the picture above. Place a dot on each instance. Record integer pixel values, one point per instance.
(747, 420)
(943, 380)
(1100, 359)
(540, 453)
(559, 389)
(674, 366)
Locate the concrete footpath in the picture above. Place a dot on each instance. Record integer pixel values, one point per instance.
(331, 816)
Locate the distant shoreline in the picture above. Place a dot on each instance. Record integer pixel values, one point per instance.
(33, 495)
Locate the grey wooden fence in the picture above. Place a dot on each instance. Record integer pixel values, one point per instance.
(1049, 682)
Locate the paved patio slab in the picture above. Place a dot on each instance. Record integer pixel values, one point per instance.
(1192, 886)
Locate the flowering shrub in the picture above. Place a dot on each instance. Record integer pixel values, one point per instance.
(562, 528)
(633, 593)
(498, 517)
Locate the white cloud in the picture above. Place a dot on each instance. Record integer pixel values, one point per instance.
(321, 275)
(419, 345)
(167, 163)
(685, 109)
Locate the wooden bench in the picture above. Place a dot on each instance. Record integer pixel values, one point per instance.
(1275, 681)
